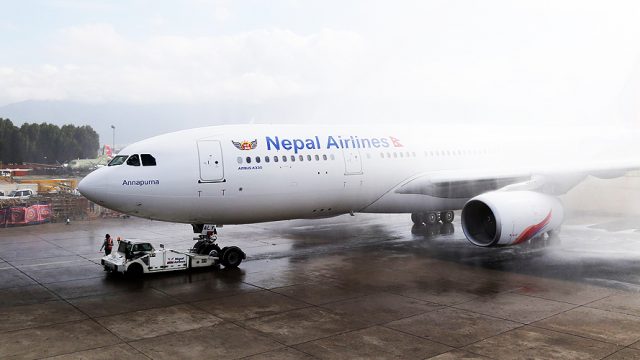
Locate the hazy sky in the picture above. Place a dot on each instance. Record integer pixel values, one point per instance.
(434, 61)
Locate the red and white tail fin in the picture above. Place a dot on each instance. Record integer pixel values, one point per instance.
(108, 151)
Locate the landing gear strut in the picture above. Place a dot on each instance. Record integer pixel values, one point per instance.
(432, 217)
(230, 256)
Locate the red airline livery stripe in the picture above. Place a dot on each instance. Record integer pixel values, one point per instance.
(532, 230)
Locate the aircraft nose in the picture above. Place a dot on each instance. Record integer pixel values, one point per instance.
(94, 187)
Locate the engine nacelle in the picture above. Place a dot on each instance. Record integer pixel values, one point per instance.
(501, 218)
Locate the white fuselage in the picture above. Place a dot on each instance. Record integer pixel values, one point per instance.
(230, 175)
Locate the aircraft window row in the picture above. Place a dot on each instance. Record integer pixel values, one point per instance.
(133, 160)
(285, 158)
(397, 154)
(408, 154)
(456, 152)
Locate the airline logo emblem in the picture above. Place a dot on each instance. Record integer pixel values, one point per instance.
(245, 144)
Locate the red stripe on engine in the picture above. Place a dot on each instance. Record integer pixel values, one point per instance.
(532, 230)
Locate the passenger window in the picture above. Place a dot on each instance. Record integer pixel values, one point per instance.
(258, 159)
(300, 157)
(275, 159)
(317, 157)
(309, 157)
(284, 158)
(266, 159)
(248, 159)
(239, 159)
(148, 160)
(133, 160)
(293, 158)
(118, 160)
(324, 157)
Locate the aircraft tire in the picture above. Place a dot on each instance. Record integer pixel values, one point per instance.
(430, 218)
(447, 217)
(417, 218)
(232, 257)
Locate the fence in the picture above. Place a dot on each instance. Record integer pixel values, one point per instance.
(25, 215)
(48, 208)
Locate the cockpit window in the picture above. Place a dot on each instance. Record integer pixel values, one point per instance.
(148, 160)
(118, 160)
(133, 160)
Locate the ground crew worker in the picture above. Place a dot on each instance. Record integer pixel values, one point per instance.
(107, 245)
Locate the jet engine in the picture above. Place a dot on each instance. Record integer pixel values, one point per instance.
(501, 218)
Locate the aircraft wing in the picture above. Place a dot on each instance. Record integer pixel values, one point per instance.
(554, 179)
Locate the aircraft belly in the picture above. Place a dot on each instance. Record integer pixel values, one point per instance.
(409, 203)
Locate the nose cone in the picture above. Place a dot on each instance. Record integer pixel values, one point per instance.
(94, 187)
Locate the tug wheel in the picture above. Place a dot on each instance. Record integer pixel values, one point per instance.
(232, 257)
(134, 271)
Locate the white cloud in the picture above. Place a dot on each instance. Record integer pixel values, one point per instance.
(98, 64)
(423, 60)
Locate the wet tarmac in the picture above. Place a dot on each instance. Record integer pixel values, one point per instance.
(368, 286)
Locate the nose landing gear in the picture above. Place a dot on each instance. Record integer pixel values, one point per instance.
(229, 257)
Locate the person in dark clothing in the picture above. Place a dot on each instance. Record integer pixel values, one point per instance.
(107, 245)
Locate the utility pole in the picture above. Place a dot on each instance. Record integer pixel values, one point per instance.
(113, 144)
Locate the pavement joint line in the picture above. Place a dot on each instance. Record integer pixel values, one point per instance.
(612, 311)
(99, 347)
(559, 301)
(36, 258)
(88, 296)
(255, 331)
(285, 347)
(146, 309)
(622, 348)
(475, 353)
(51, 263)
(44, 325)
(333, 334)
(369, 327)
(576, 335)
(413, 335)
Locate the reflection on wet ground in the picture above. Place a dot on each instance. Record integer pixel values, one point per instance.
(347, 287)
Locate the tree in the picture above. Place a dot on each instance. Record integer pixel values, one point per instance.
(46, 143)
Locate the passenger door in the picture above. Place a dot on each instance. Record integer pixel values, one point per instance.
(210, 156)
(352, 162)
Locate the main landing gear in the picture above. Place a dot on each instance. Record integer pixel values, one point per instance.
(432, 217)
(229, 256)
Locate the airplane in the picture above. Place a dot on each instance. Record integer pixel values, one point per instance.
(506, 183)
(91, 164)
